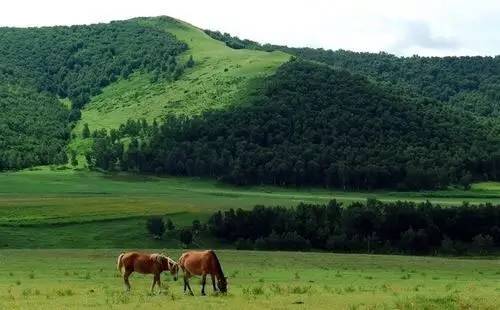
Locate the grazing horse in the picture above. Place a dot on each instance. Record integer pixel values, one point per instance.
(201, 263)
(146, 264)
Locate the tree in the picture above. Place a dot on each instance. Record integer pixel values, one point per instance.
(466, 181)
(483, 243)
(170, 225)
(156, 226)
(86, 131)
(73, 158)
(196, 226)
(186, 237)
(190, 62)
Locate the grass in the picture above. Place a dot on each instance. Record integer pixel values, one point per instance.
(80, 209)
(58, 279)
(220, 77)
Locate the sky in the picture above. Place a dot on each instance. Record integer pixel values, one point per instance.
(404, 27)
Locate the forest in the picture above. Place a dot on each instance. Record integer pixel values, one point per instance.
(313, 125)
(469, 82)
(40, 65)
(371, 227)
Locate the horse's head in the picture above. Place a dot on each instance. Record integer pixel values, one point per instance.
(168, 264)
(174, 270)
(222, 284)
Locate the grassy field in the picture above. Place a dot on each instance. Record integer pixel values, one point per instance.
(81, 209)
(61, 230)
(62, 279)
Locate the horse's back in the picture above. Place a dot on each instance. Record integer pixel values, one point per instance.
(197, 262)
(139, 262)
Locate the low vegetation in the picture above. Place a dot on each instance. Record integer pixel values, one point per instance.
(49, 279)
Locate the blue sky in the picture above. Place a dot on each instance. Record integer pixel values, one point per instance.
(439, 28)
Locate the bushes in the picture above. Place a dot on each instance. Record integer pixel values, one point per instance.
(374, 226)
(156, 226)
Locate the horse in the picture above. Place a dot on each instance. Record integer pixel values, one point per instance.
(202, 263)
(146, 264)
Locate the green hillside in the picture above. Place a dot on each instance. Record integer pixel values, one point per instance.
(313, 125)
(220, 76)
(38, 66)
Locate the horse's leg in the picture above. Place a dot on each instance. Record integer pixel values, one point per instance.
(186, 283)
(203, 282)
(155, 278)
(126, 274)
(159, 283)
(213, 282)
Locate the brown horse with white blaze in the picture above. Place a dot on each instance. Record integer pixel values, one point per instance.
(202, 263)
(146, 264)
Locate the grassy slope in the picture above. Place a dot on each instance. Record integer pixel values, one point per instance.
(56, 279)
(220, 76)
(73, 209)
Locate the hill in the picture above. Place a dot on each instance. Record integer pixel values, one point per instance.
(40, 65)
(221, 76)
(158, 95)
(468, 82)
(313, 125)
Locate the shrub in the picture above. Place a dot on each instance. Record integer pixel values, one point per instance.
(156, 226)
(186, 237)
(483, 244)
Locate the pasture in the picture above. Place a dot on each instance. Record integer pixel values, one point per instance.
(50, 279)
(80, 209)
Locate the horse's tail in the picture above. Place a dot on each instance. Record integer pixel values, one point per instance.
(119, 263)
(217, 263)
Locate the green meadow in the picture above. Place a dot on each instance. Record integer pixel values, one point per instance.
(75, 279)
(61, 231)
(80, 209)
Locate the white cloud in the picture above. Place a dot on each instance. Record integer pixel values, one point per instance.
(438, 27)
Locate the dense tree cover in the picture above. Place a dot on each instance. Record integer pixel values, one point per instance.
(472, 83)
(77, 61)
(37, 65)
(373, 226)
(313, 125)
(33, 126)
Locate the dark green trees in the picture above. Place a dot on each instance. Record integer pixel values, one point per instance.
(38, 65)
(316, 126)
(156, 227)
(373, 226)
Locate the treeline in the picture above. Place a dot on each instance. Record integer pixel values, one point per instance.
(39, 65)
(470, 83)
(371, 227)
(316, 126)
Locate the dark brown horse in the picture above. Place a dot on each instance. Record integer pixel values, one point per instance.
(146, 264)
(202, 263)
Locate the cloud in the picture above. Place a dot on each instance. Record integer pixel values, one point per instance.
(417, 35)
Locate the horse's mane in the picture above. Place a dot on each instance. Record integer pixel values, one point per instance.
(217, 263)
